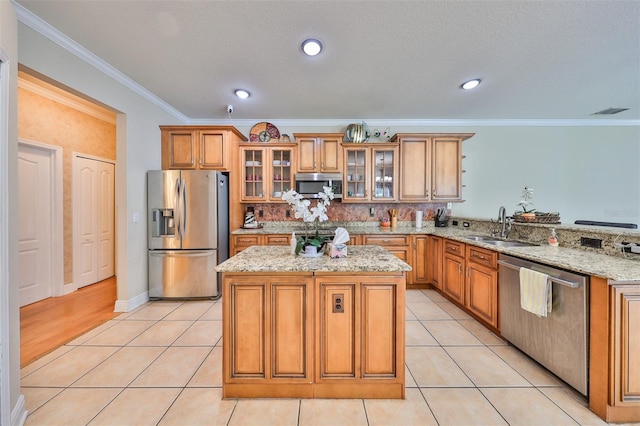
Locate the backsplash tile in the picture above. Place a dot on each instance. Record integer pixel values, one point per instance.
(345, 212)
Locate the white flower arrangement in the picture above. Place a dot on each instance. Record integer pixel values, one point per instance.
(527, 200)
(302, 210)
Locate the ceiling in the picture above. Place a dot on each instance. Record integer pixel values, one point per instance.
(400, 60)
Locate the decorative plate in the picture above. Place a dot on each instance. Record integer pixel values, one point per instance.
(264, 132)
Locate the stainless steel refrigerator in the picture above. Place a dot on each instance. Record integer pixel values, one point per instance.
(188, 221)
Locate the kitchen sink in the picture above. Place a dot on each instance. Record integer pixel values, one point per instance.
(496, 242)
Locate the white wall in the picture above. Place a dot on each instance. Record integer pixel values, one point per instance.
(580, 172)
(137, 149)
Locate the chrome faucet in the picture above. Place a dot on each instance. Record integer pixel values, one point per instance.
(505, 221)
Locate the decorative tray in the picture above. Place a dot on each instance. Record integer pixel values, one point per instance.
(252, 227)
(539, 217)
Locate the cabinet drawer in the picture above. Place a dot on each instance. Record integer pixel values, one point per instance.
(245, 240)
(454, 247)
(277, 240)
(385, 240)
(482, 256)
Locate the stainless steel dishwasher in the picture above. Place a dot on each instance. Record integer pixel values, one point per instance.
(559, 341)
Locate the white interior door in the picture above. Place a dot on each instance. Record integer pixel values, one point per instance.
(106, 220)
(93, 220)
(35, 224)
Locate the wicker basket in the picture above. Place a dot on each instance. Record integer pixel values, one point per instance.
(538, 218)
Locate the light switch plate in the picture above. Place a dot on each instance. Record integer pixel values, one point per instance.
(136, 217)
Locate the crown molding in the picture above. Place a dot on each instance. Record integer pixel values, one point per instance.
(65, 98)
(37, 24)
(423, 122)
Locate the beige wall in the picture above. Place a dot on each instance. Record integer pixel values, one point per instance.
(41, 119)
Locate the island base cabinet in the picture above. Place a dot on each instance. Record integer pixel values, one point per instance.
(267, 338)
(311, 336)
(614, 366)
(360, 337)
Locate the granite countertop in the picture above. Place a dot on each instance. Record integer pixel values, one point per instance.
(613, 268)
(279, 259)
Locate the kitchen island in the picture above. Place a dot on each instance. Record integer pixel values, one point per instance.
(296, 327)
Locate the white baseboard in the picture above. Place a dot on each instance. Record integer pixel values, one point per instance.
(19, 412)
(131, 304)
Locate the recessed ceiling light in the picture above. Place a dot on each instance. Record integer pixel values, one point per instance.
(471, 84)
(311, 46)
(242, 94)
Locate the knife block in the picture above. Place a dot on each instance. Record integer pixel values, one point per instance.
(441, 223)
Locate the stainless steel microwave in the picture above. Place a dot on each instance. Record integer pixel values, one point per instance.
(309, 184)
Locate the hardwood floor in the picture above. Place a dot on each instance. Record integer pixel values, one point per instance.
(50, 323)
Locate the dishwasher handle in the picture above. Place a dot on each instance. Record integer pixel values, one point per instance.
(566, 283)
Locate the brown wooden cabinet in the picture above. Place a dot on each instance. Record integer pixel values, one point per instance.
(241, 242)
(430, 166)
(434, 261)
(313, 336)
(198, 147)
(268, 336)
(319, 152)
(267, 172)
(420, 260)
(614, 351)
(395, 243)
(358, 335)
(481, 287)
(370, 172)
(453, 270)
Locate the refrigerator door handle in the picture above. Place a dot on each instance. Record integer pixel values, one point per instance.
(183, 212)
(176, 209)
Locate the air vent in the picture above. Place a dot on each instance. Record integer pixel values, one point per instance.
(610, 111)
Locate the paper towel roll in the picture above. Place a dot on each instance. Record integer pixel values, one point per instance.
(419, 219)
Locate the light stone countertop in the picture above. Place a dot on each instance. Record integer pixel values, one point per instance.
(613, 268)
(260, 259)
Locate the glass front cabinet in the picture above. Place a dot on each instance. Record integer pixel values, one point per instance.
(267, 172)
(370, 172)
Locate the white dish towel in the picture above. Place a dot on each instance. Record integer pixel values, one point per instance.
(535, 292)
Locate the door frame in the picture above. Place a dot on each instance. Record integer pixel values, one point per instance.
(5, 365)
(76, 211)
(56, 212)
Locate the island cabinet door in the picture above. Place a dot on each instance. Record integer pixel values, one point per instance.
(360, 329)
(291, 330)
(337, 329)
(379, 330)
(269, 334)
(247, 329)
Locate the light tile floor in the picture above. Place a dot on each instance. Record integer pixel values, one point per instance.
(161, 364)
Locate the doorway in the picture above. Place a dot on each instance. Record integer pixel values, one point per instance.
(40, 221)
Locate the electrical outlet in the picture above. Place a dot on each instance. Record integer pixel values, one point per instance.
(465, 224)
(454, 222)
(260, 214)
(371, 212)
(287, 213)
(338, 303)
(590, 242)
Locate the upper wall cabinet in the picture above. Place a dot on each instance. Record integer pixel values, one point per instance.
(370, 172)
(198, 147)
(430, 166)
(319, 152)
